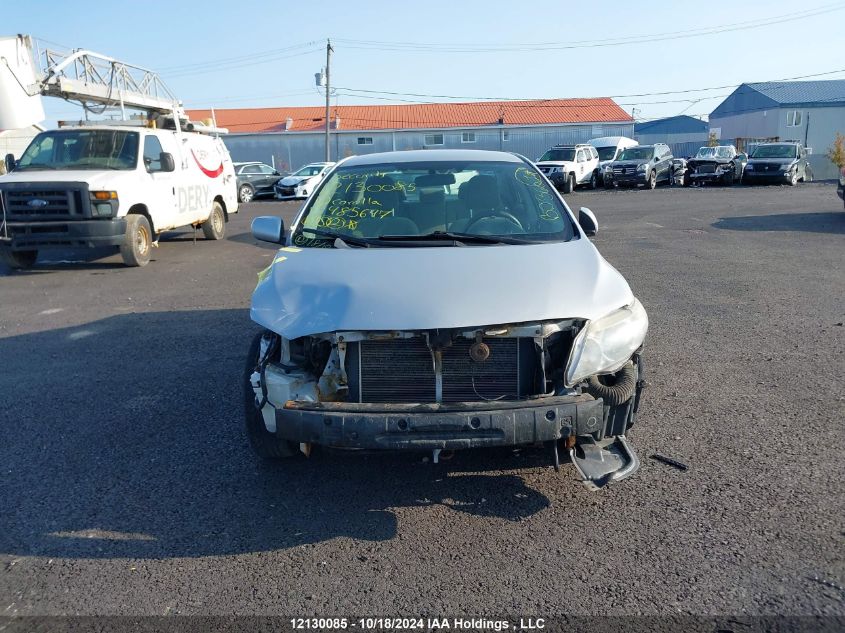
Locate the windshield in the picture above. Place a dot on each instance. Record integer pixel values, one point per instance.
(775, 151)
(606, 153)
(483, 198)
(558, 155)
(637, 153)
(309, 170)
(82, 149)
(714, 152)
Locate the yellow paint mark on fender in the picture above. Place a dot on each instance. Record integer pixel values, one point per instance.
(291, 249)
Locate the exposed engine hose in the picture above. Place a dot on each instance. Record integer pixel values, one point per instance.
(262, 368)
(616, 388)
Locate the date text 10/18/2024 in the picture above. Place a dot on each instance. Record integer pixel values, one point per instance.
(418, 624)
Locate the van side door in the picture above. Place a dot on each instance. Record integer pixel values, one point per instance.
(159, 186)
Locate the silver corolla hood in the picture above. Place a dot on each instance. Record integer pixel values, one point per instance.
(292, 181)
(315, 290)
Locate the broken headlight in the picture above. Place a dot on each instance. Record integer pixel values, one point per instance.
(603, 346)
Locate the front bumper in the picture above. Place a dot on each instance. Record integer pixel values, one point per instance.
(771, 176)
(439, 426)
(66, 234)
(638, 178)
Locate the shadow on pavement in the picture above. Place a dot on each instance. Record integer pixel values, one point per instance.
(821, 222)
(123, 438)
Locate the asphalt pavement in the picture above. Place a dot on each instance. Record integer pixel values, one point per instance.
(127, 485)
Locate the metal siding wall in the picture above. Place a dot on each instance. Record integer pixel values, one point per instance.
(291, 151)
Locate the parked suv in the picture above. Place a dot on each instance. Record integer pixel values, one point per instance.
(646, 165)
(570, 165)
(778, 162)
(609, 148)
(721, 163)
(382, 330)
(255, 179)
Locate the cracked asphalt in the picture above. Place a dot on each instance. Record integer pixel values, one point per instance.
(127, 486)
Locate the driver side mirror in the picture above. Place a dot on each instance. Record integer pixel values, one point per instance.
(10, 162)
(587, 221)
(167, 162)
(268, 228)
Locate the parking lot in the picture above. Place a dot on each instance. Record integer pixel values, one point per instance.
(127, 485)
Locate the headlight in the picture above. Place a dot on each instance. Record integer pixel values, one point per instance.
(641, 167)
(603, 346)
(607, 168)
(787, 166)
(749, 167)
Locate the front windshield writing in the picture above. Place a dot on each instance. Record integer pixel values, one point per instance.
(82, 149)
(636, 153)
(774, 151)
(417, 199)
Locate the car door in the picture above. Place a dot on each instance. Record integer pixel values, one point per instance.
(664, 163)
(269, 176)
(251, 174)
(160, 188)
(580, 165)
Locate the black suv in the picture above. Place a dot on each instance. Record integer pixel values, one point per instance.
(784, 162)
(255, 179)
(640, 165)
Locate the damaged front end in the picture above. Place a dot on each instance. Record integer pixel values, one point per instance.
(572, 384)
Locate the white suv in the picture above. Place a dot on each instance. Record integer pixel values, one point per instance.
(570, 165)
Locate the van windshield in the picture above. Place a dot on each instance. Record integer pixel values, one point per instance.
(424, 200)
(81, 149)
(606, 153)
(558, 155)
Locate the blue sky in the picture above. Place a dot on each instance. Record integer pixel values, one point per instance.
(254, 54)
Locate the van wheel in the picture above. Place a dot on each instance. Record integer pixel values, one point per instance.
(138, 241)
(214, 228)
(18, 260)
(265, 444)
(569, 184)
(246, 193)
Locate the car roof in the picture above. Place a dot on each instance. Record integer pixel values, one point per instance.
(250, 162)
(432, 155)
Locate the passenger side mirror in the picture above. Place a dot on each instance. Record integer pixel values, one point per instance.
(269, 228)
(587, 221)
(275, 173)
(10, 162)
(167, 162)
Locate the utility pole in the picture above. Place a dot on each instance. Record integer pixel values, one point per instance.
(328, 95)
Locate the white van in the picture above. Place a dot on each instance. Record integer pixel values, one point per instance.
(113, 185)
(609, 148)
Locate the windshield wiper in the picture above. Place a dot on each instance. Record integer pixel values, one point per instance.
(36, 166)
(457, 237)
(346, 239)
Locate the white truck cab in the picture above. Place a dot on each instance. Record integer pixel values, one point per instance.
(113, 185)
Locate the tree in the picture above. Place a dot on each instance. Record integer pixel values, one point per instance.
(836, 152)
(712, 141)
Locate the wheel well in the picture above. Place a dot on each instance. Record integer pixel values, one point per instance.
(222, 204)
(141, 209)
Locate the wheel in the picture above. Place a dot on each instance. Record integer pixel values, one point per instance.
(214, 228)
(608, 184)
(18, 260)
(138, 241)
(569, 184)
(687, 180)
(246, 193)
(793, 178)
(264, 443)
(651, 183)
(594, 181)
(728, 179)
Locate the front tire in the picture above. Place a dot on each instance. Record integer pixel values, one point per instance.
(264, 443)
(793, 179)
(18, 260)
(569, 184)
(138, 241)
(594, 181)
(214, 228)
(651, 183)
(246, 193)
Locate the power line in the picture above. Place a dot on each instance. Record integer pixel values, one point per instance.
(233, 65)
(238, 58)
(549, 46)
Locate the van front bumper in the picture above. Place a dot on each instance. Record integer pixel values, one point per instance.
(439, 426)
(66, 234)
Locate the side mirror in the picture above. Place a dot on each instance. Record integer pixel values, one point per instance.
(10, 162)
(167, 162)
(268, 228)
(275, 173)
(587, 221)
